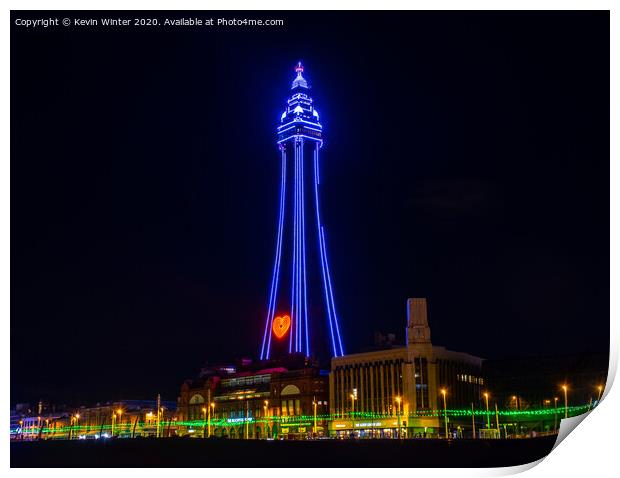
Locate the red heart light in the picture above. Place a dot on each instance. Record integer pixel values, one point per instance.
(281, 325)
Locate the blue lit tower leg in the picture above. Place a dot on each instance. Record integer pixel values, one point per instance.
(334, 329)
(303, 249)
(276, 266)
(293, 331)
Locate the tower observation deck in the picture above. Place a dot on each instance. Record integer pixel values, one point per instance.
(301, 314)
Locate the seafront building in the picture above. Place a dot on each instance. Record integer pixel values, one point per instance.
(284, 398)
(118, 419)
(409, 391)
(398, 391)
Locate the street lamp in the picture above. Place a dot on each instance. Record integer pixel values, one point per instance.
(600, 392)
(565, 388)
(204, 426)
(445, 415)
(398, 414)
(119, 412)
(516, 399)
(314, 404)
(555, 414)
(247, 425)
(353, 397)
(497, 421)
(486, 397)
(211, 411)
(160, 417)
(265, 413)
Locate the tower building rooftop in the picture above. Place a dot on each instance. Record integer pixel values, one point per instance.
(300, 118)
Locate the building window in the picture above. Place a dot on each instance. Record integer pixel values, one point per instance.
(196, 398)
(290, 390)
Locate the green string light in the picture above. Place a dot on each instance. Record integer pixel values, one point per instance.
(303, 420)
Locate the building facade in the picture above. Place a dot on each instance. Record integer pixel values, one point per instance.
(120, 419)
(398, 391)
(126, 419)
(275, 400)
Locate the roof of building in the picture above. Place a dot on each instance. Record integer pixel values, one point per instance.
(401, 353)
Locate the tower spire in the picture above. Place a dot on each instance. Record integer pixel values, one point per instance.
(300, 80)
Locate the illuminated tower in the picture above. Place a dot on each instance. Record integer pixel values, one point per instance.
(301, 313)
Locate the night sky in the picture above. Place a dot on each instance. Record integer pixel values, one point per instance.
(466, 160)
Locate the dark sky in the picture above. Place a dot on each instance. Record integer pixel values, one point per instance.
(466, 160)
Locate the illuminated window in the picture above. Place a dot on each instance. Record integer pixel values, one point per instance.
(290, 390)
(196, 398)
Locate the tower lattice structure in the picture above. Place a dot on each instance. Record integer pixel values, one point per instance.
(301, 314)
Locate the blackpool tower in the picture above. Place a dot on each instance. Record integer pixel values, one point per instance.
(301, 314)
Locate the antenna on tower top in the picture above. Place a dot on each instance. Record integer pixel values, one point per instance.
(299, 80)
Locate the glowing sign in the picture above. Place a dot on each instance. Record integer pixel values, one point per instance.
(239, 420)
(281, 325)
